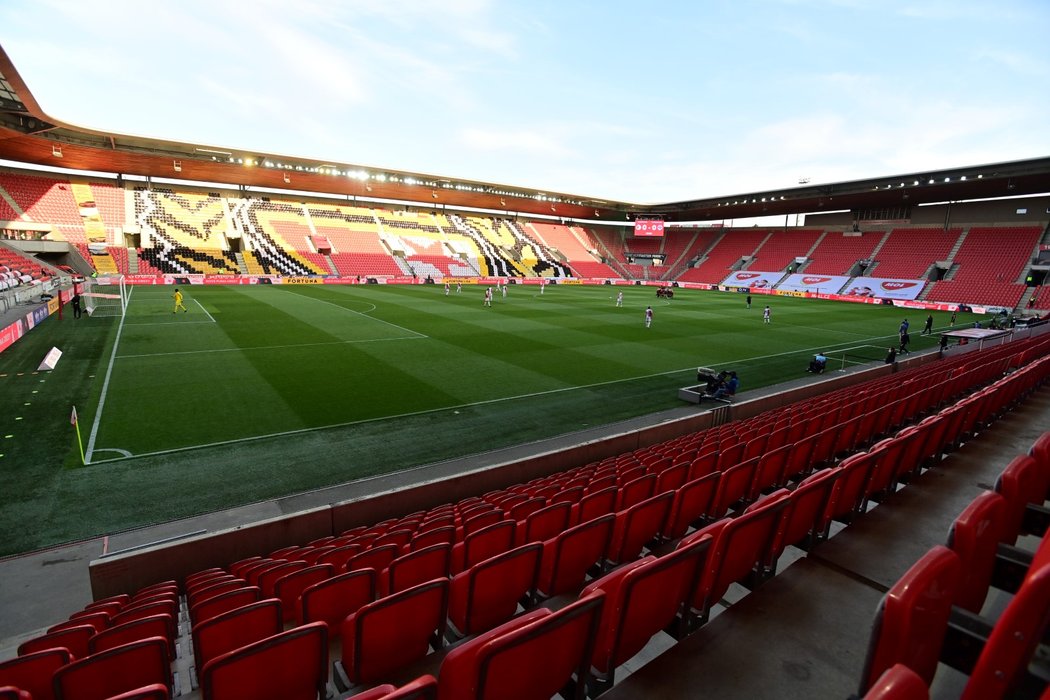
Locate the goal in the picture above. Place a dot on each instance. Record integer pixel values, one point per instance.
(105, 296)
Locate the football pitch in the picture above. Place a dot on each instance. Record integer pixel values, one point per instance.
(261, 391)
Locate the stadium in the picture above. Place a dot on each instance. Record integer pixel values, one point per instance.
(403, 434)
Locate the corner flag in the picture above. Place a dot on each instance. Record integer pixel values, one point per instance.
(80, 443)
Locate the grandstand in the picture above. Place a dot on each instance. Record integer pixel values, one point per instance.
(735, 550)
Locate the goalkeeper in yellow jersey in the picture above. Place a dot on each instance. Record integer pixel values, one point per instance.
(178, 301)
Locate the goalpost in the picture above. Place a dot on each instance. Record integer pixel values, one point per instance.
(105, 296)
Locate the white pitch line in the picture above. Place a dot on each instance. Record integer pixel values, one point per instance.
(371, 318)
(204, 310)
(534, 394)
(270, 347)
(105, 386)
(172, 324)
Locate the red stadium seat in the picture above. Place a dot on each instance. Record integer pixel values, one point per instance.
(235, 628)
(734, 486)
(289, 587)
(975, 537)
(692, 503)
(1018, 484)
(9, 692)
(543, 524)
(73, 639)
(153, 626)
(416, 567)
(635, 491)
(377, 558)
(483, 544)
(641, 599)
(210, 607)
(568, 556)
(515, 660)
(154, 691)
(637, 526)
(290, 665)
(912, 618)
(332, 600)
(595, 504)
(487, 594)
(32, 672)
(423, 688)
(392, 632)
(115, 671)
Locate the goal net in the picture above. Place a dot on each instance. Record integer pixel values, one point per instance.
(104, 296)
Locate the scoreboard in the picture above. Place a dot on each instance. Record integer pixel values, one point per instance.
(653, 228)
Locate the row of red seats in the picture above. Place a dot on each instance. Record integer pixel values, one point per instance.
(933, 614)
(658, 505)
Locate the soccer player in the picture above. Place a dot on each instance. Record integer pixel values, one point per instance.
(749, 301)
(766, 314)
(648, 316)
(619, 299)
(459, 287)
(488, 296)
(504, 291)
(928, 328)
(178, 301)
(446, 288)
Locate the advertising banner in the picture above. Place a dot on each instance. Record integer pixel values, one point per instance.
(818, 284)
(10, 334)
(885, 288)
(752, 279)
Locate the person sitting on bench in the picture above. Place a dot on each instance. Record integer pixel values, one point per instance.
(728, 389)
(818, 363)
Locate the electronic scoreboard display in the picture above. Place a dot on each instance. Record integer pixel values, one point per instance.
(653, 228)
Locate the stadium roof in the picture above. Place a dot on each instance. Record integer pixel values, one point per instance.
(29, 135)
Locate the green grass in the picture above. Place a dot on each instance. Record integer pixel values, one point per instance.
(262, 391)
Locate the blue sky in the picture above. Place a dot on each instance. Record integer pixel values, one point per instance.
(644, 102)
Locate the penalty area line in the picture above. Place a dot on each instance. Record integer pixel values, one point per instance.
(212, 318)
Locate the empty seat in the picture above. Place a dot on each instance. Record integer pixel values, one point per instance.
(912, 618)
(392, 632)
(692, 502)
(1018, 484)
(641, 599)
(333, 599)
(487, 594)
(74, 639)
(544, 523)
(115, 671)
(415, 568)
(289, 587)
(154, 691)
(637, 526)
(9, 692)
(152, 626)
(483, 544)
(515, 660)
(290, 665)
(210, 607)
(595, 503)
(32, 672)
(235, 628)
(568, 556)
(974, 537)
(377, 558)
(1002, 665)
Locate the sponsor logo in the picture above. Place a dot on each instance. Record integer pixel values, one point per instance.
(303, 280)
(815, 280)
(746, 275)
(897, 285)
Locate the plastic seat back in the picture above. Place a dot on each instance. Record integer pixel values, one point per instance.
(290, 665)
(235, 628)
(637, 526)
(415, 568)
(153, 626)
(209, 608)
(635, 491)
(974, 536)
(803, 515)
(483, 544)
(74, 639)
(32, 672)
(377, 558)
(1013, 641)
(641, 599)
(912, 618)
(115, 671)
(692, 502)
(544, 523)
(568, 556)
(595, 504)
(515, 659)
(333, 599)
(154, 691)
(1018, 484)
(392, 632)
(289, 587)
(735, 485)
(898, 683)
(422, 688)
(268, 579)
(487, 594)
